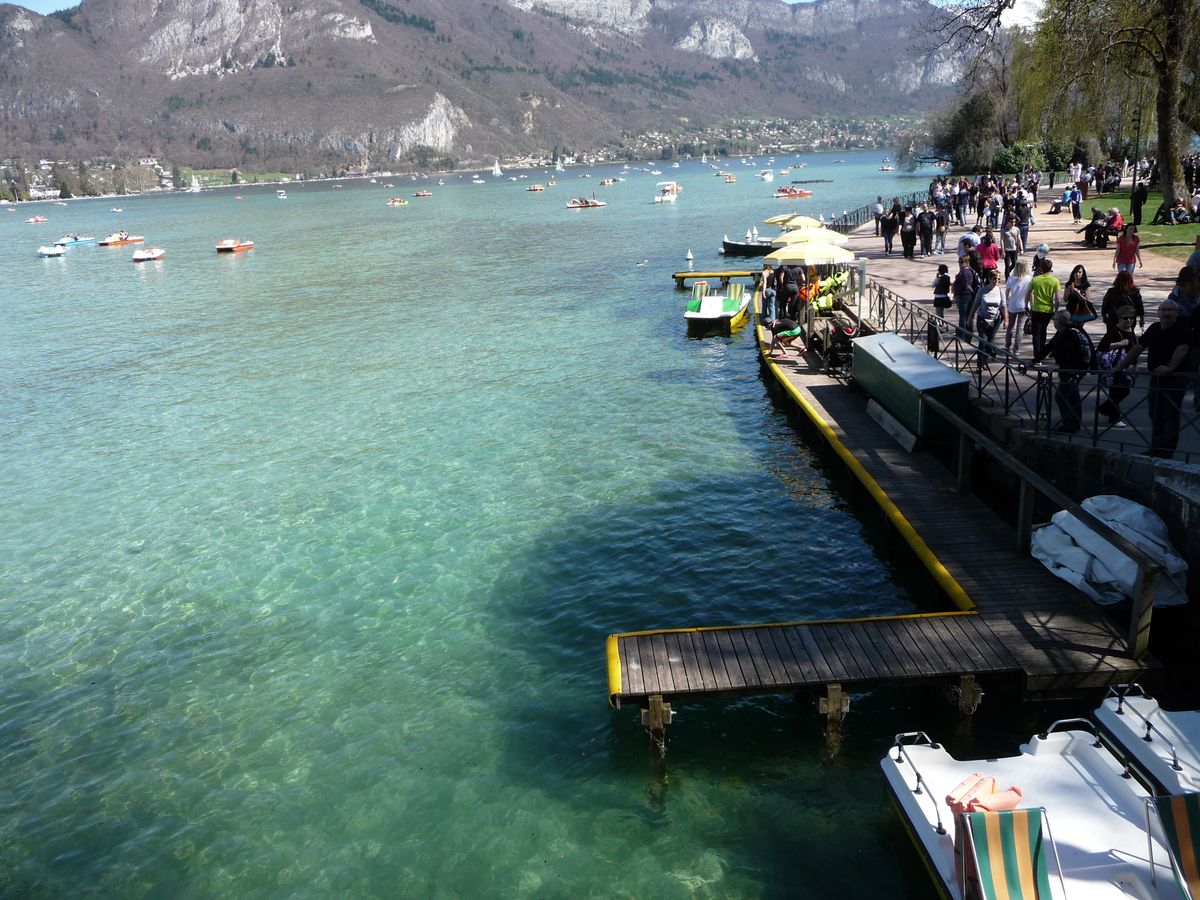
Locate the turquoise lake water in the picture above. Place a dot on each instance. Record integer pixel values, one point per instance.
(309, 553)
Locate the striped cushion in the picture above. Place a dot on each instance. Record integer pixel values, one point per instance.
(1010, 851)
(699, 290)
(1180, 815)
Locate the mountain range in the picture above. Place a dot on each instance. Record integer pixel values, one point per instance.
(384, 83)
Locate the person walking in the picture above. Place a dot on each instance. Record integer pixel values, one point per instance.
(966, 283)
(1076, 296)
(1013, 247)
(1044, 291)
(986, 307)
(1128, 255)
(1016, 306)
(1122, 293)
(1136, 201)
(878, 214)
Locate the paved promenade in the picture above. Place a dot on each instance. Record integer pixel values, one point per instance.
(912, 279)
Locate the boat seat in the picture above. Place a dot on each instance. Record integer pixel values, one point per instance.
(1179, 815)
(699, 292)
(1003, 855)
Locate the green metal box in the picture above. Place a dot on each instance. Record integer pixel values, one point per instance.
(897, 374)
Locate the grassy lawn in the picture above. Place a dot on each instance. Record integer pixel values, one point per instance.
(1175, 241)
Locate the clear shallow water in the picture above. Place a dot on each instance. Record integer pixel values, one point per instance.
(308, 554)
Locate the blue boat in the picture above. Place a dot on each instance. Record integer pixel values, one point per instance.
(67, 239)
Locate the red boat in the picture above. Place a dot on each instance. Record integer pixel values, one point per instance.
(234, 246)
(791, 193)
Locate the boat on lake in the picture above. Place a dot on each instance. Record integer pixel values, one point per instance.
(496, 169)
(887, 168)
(667, 191)
(35, 220)
(767, 175)
(1060, 811)
(721, 313)
(730, 178)
(52, 250)
(149, 254)
(535, 188)
(786, 192)
(234, 245)
(397, 201)
(423, 194)
(120, 238)
(584, 203)
(605, 182)
(1163, 745)
(68, 239)
(753, 245)
(281, 194)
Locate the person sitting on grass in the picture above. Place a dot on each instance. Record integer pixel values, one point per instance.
(785, 333)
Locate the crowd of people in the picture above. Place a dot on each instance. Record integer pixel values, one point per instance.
(1001, 285)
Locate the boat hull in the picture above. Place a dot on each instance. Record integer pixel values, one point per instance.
(747, 248)
(1174, 738)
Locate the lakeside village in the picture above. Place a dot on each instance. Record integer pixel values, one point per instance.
(62, 179)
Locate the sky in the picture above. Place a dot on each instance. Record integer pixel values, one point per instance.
(1024, 12)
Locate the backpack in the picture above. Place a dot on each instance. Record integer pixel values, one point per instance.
(942, 286)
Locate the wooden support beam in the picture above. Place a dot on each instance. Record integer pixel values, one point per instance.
(1025, 501)
(965, 448)
(655, 720)
(966, 695)
(835, 704)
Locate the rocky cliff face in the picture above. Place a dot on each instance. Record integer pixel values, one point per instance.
(375, 82)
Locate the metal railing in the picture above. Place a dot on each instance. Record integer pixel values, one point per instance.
(848, 221)
(1030, 394)
(1031, 484)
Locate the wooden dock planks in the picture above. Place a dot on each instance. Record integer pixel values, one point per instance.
(1027, 623)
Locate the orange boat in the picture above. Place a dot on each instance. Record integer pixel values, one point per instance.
(234, 246)
(118, 238)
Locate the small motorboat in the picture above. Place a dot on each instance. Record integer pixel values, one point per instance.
(753, 245)
(1164, 745)
(667, 191)
(281, 194)
(551, 183)
(237, 196)
(791, 193)
(423, 194)
(397, 201)
(116, 209)
(53, 250)
(716, 312)
(234, 245)
(887, 168)
(605, 182)
(149, 254)
(68, 239)
(535, 188)
(767, 175)
(730, 179)
(120, 238)
(584, 203)
(35, 220)
(1080, 824)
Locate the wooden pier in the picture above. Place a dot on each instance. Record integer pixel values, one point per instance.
(1015, 620)
(723, 277)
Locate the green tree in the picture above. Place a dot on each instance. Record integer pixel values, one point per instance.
(176, 177)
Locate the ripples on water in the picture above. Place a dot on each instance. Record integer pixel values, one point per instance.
(310, 553)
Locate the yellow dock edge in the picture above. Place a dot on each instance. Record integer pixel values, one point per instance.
(614, 671)
(944, 579)
(612, 654)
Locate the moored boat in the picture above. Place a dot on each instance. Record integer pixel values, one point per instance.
(1164, 745)
(730, 179)
(722, 313)
(149, 254)
(397, 201)
(534, 188)
(120, 238)
(53, 250)
(1059, 811)
(753, 245)
(281, 194)
(423, 194)
(584, 203)
(35, 220)
(605, 182)
(234, 245)
(68, 239)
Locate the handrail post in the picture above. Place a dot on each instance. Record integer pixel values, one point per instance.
(965, 448)
(1025, 501)
(1141, 611)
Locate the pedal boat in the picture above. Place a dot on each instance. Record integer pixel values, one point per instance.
(51, 251)
(68, 239)
(1164, 746)
(150, 254)
(723, 313)
(1094, 813)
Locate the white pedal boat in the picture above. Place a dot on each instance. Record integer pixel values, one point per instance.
(1164, 745)
(1094, 815)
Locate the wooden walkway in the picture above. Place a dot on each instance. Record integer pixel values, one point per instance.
(1017, 620)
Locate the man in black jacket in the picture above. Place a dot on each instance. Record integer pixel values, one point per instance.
(1075, 355)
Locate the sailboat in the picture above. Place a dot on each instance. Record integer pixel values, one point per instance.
(195, 188)
(558, 166)
(704, 158)
(496, 168)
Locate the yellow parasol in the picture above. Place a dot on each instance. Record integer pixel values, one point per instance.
(794, 220)
(810, 236)
(810, 254)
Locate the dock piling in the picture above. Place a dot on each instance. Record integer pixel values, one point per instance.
(655, 719)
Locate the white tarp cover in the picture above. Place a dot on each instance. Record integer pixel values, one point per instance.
(1079, 556)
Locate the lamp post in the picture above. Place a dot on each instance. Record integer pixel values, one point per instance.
(1137, 142)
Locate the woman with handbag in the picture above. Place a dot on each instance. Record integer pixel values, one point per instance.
(1076, 299)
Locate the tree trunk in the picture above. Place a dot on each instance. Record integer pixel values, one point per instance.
(1167, 100)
